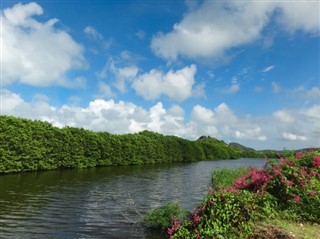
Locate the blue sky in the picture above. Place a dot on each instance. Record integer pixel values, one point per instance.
(240, 71)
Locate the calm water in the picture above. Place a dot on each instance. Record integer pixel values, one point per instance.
(100, 202)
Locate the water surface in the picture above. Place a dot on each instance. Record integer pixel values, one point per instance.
(100, 202)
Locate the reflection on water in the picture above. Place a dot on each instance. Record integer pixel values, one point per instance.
(99, 202)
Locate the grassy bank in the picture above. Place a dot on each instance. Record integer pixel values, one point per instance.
(222, 178)
(287, 189)
(303, 230)
(281, 200)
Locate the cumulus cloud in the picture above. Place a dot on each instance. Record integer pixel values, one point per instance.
(211, 29)
(199, 90)
(284, 117)
(285, 128)
(106, 90)
(308, 95)
(233, 88)
(294, 137)
(177, 85)
(37, 53)
(120, 75)
(202, 115)
(299, 15)
(298, 125)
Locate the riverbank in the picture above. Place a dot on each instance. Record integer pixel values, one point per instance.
(285, 193)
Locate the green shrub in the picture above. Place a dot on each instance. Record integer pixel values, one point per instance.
(222, 215)
(289, 186)
(163, 216)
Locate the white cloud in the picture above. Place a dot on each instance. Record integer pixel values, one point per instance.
(106, 90)
(235, 87)
(13, 104)
(275, 87)
(297, 125)
(223, 123)
(9, 102)
(258, 89)
(283, 116)
(294, 137)
(140, 34)
(177, 85)
(314, 93)
(295, 128)
(268, 68)
(308, 95)
(118, 75)
(37, 53)
(300, 15)
(97, 36)
(202, 115)
(199, 90)
(210, 74)
(254, 133)
(211, 29)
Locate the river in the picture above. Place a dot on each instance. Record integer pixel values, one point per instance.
(100, 202)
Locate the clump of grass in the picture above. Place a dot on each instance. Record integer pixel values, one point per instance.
(223, 177)
(163, 216)
(305, 230)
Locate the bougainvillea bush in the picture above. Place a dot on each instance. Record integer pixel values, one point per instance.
(285, 187)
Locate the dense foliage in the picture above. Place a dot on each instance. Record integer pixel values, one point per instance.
(161, 218)
(287, 188)
(223, 177)
(27, 145)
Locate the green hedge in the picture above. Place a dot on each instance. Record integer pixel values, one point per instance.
(27, 145)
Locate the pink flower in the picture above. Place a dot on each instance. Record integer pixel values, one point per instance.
(198, 234)
(196, 219)
(289, 183)
(286, 162)
(170, 232)
(303, 171)
(276, 169)
(296, 198)
(203, 208)
(316, 161)
(175, 226)
(313, 173)
(232, 189)
(312, 193)
(299, 155)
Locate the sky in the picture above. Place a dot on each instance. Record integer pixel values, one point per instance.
(239, 71)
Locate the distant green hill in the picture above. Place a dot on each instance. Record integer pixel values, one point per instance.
(241, 147)
(218, 148)
(27, 145)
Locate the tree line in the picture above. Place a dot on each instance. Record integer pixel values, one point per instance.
(27, 145)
